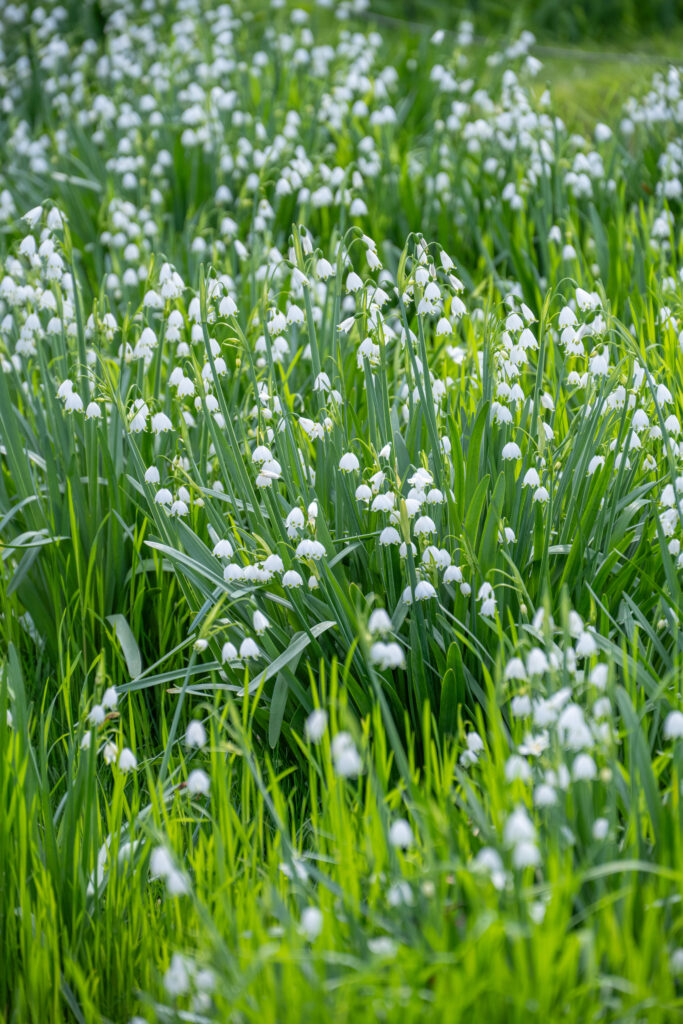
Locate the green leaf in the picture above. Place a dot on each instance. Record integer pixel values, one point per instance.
(489, 539)
(474, 510)
(278, 704)
(473, 455)
(448, 705)
(131, 651)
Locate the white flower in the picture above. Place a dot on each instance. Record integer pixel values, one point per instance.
(161, 423)
(424, 591)
(387, 655)
(475, 743)
(526, 855)
(292, 579)
(516, 767)
(227, 307)
(228, 652)
(515, 669)
(520, 706)
(33, 215)
(278, 323)
(312, 549)
(177, 977)
(109, 752)
(222, 549)
(198, 783)
(401, 834)
(127, 760)
(73, 402)
(294, 522)
(249, 649)
(382, 946)
(349, 463)
(138, 423)
(383, 503)
(489, 861)
(663, 395)
(511, 451)
(572, 728)
(273, 564)
(673, 725)
(261, 454)
(536, 662)
(195, 736)
(270, 471)
(519, 828)
(533, 746)
(110, 698)
(97, 715)
(353, 282)
(600, 829)
(380, 621)
(400, 894)
(177, 884)
(311, 923)
(347, 761)
(586, 645)
(260, 623)
(544, 795)
(324, 269)
(602, 708)
(315, 725)
(160, 863)
(389, 535)
(584, 767)
(584, 300)
(424, 525)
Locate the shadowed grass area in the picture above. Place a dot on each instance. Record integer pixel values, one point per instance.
(589, 88)
(627, 23)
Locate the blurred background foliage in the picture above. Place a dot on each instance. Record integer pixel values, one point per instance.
(599, 21)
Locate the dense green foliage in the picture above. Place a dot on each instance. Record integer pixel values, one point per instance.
(340, 522)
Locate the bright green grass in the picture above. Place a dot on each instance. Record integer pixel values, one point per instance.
(452, 945)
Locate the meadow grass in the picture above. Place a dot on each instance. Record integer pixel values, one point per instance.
(340, 517)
